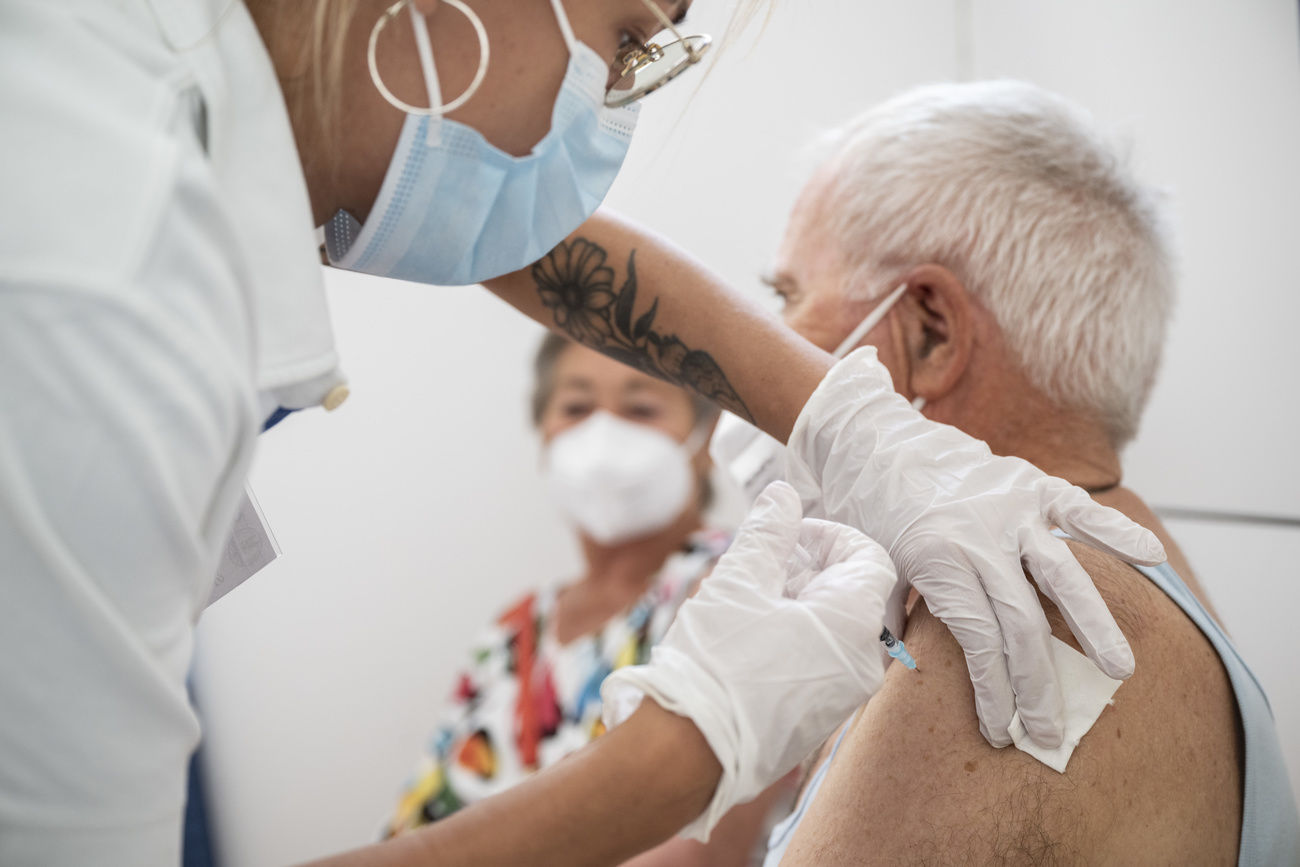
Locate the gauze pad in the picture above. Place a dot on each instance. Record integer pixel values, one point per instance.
(1087, 692)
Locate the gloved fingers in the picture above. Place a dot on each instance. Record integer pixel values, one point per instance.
(828, 543)
(846, 602)
(799, 570)
(995, 700)
(944, 580)
(1104, 528)
(1027, 641)
(859, 583)
(1019, 633)
(1066, 583)
(766, 540)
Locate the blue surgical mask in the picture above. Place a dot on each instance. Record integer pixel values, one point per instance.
(454, 209)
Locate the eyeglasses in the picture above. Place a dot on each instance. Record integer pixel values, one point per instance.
(645, 67)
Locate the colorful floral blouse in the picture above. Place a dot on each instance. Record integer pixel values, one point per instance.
(526, 701)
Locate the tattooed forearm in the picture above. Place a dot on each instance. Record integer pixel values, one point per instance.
(578, 287)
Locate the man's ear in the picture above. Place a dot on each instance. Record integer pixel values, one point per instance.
(937, 328)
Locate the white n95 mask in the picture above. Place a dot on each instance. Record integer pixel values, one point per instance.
(618, 480)
(753, 458)
(454, 209)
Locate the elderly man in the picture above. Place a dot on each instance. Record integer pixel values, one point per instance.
(1038, 290)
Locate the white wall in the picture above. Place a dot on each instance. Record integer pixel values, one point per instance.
(413, 513)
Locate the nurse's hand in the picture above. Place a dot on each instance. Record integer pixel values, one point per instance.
(963, 526)
(773, 652)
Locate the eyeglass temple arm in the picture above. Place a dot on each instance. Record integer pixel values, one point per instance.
(668, 22)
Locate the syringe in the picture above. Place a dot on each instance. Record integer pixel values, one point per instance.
(896, 649)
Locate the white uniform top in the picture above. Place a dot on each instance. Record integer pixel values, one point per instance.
(157, 271)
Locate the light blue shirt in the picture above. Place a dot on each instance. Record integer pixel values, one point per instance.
(1270, 825)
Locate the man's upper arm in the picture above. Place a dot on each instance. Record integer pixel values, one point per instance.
(915, 781)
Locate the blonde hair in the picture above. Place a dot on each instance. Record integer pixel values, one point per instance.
(307, 40)
(330, 22)
(1012, 189)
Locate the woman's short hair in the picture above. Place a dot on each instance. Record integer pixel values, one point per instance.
(1012, 189)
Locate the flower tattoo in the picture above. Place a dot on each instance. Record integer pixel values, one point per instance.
(574, 282)
(577, 286)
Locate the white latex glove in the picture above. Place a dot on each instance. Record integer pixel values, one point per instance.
(765, 677)
(960, 524)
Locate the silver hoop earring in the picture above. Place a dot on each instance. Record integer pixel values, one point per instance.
(426, 59)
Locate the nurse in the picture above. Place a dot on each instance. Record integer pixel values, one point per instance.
(163, 166)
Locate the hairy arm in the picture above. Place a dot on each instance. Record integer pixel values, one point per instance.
(620, 289)
(623, 793)
(1155, 780)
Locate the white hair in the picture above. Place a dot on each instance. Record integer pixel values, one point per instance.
(1010, 188)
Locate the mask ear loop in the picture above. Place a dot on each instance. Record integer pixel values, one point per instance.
(871, 321)
(425, 50)
(435, 109)
(566, 29)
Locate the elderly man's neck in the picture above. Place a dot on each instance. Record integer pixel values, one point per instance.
(1070, 453)
(1000, 407)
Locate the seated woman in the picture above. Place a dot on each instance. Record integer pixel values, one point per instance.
(625, 457)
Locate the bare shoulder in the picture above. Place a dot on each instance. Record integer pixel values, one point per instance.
(1157, 779)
